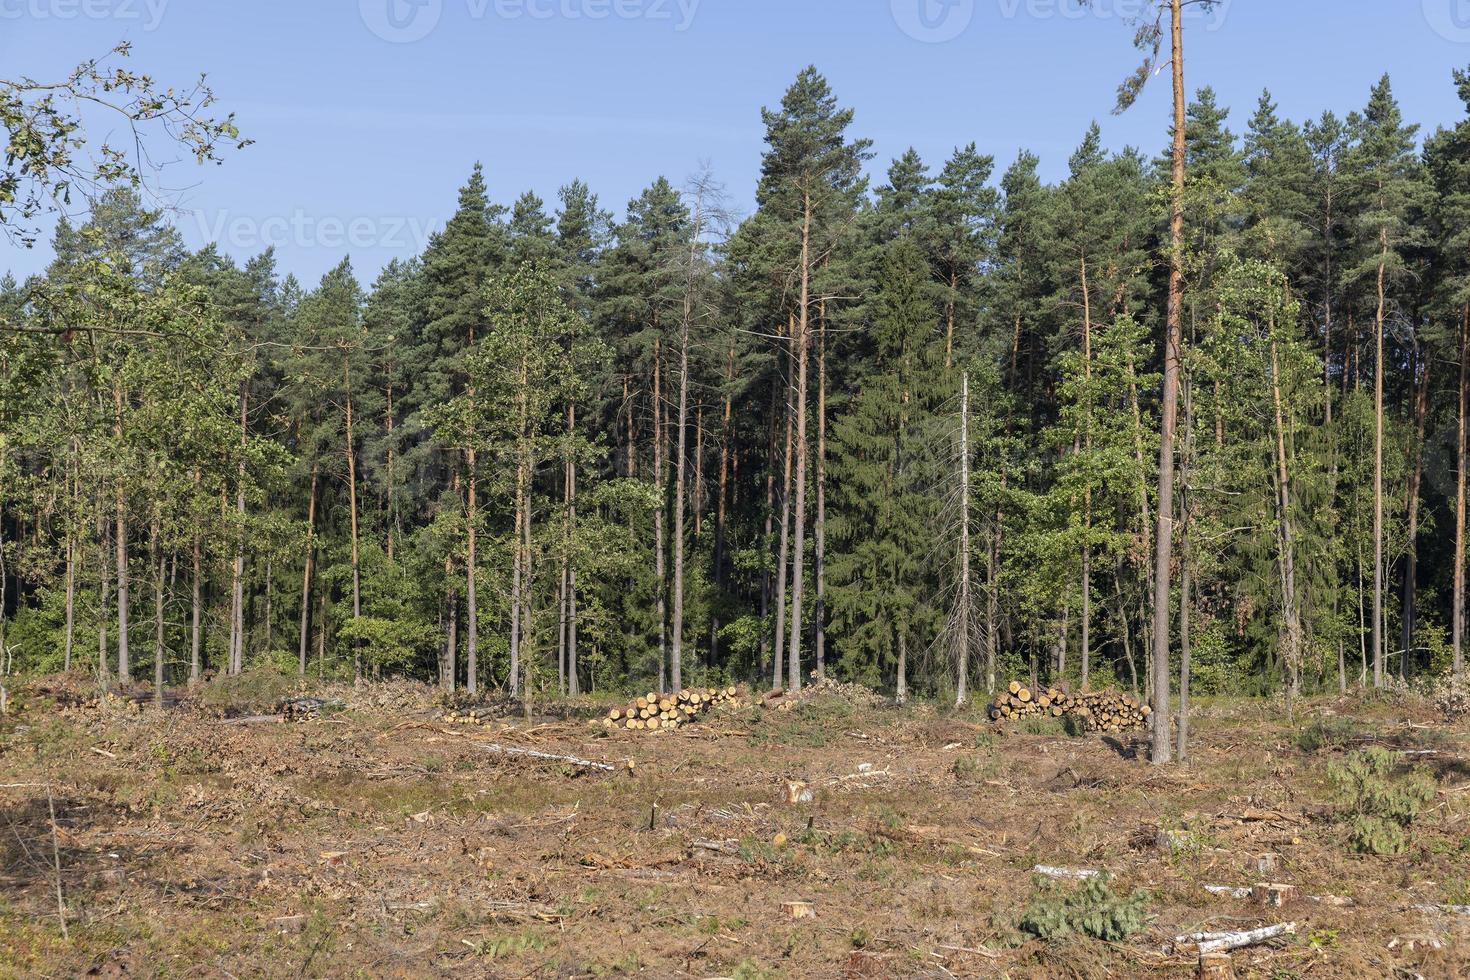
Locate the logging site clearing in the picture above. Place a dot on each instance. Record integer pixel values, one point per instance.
(249, 827)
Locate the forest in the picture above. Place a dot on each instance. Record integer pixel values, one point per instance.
(901, 430)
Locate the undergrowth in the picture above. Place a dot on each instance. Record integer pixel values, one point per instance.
(1381, 802)
(1091, 909)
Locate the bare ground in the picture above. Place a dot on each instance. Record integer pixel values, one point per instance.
(381, 842)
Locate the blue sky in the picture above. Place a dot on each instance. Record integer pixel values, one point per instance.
(368, 114)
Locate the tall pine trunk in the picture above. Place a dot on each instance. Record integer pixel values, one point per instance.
(777, 680)
(1378, 368)
(798, 558)
(1416, 478)
(962, 668)
(819, 568)
(156, 559)
(1290, 610)
(1173, 341)
(306, 573)
(351, 453)
(660, 570)
(471, 581)
(1462, 456)
(676, 658)
(120, 542)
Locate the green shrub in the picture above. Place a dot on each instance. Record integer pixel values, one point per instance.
(1326, 733)
(1091, 909)
(1043, 725)
(1381, 801)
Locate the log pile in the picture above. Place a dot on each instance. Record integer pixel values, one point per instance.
(468, 716)
(655, 712)
(1452, 698)
(1104, 711)
(307, 708)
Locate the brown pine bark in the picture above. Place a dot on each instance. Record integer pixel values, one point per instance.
(681, 465)
(819, 569)
(1378, 369)
(1173, 341)
(155, 556)
(781, 569)
(351, 453)
(574, 687)
(660, 571)
(120, 542)
(1462, 456)
(305, 575)
(798, 558)
(1292, 640)
(1416, 477)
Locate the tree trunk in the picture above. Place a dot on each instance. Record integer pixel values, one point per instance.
(819, 569)
(448, 662)
(1185, 572)
(1462, 456)
(722, 505)
(798, 558)
(471, 577)
(392, 503)
(1411, 558)
(780, 638)
(660, 571)
(120, 541)
(103, 580)
(573, 686)
(1290, 612)
(901, 685)
(1164, 538)
(1378, 664)
(306, 573)
(527, 593)
(159, 654)
(69, 635)
(237, 577)
(680, 489)
(1086, 654)
(962, 668)
(351, 454)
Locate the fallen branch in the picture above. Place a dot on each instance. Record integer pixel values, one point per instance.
(56, 859)
(547, 757)
(1201, 943)
(1070, 874)
(1446, 909)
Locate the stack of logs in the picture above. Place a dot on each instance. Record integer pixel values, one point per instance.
(654, 712)
(307, 708)
(472, 716)
(1105, 711)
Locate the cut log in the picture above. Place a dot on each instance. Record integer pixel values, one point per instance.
(1068, 874)
(546, 757)
(799, 910)
(1272, 895)
(1203, 943)
(1216, 966)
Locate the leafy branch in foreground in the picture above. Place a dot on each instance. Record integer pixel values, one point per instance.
(46, 152)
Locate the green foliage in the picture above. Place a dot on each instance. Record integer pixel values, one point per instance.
(1090, 909)
(1327, 733)
(1381, 801)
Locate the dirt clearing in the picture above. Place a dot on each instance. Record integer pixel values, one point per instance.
(374, 839)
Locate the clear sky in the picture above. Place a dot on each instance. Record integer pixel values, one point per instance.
(368, 114)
